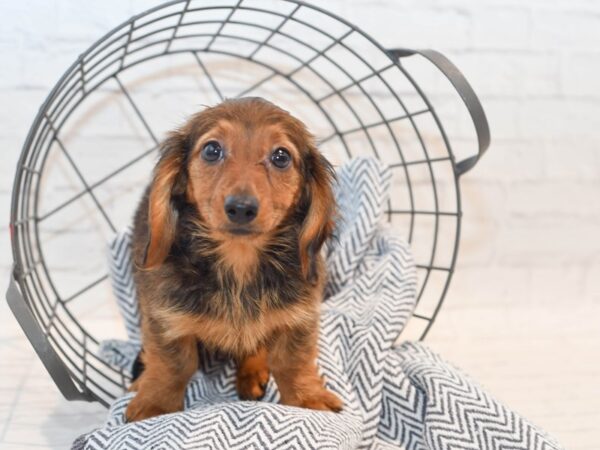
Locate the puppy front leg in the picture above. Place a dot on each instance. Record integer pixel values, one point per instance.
(292, 360)
(252, 375)
(168, 367)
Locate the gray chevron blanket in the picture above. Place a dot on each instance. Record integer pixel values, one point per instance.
(403, 397)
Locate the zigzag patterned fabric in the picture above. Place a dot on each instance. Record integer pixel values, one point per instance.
(119, 264)
(404, 397)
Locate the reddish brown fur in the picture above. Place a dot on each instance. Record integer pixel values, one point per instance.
(161, 221)
(278, 330)
(252, 375)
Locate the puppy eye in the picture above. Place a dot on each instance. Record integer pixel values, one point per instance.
(212, 152)
(281, 158)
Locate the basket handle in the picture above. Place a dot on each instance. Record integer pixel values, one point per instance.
(53, 364)
(468, 96)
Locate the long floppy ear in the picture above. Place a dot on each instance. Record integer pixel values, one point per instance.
(170, 177)
(318, 223)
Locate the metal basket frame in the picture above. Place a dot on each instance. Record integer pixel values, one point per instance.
(90, 378)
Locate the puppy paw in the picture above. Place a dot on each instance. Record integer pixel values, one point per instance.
(323, 400)
(141, 407)
(251, 385)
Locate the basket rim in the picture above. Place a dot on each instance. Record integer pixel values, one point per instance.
(205, 5)
(30, 144)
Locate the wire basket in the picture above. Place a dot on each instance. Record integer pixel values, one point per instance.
(91, 148)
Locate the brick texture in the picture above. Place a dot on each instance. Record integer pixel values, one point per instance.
(532, 206)
(530, 237)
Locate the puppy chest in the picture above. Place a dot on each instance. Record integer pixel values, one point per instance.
(235, 337)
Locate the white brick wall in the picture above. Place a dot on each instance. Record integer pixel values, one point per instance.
(530, 246)
(532, 206)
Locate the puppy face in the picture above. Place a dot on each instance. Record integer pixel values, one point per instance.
(246, 165)
(245, 173)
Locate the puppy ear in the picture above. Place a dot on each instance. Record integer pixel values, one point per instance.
(170, 177)
(318, 224)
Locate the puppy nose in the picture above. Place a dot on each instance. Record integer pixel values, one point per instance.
(241, 209)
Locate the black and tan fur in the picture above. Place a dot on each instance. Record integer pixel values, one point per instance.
(254, 296)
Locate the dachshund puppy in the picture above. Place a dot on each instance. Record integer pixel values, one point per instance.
(227, 246)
